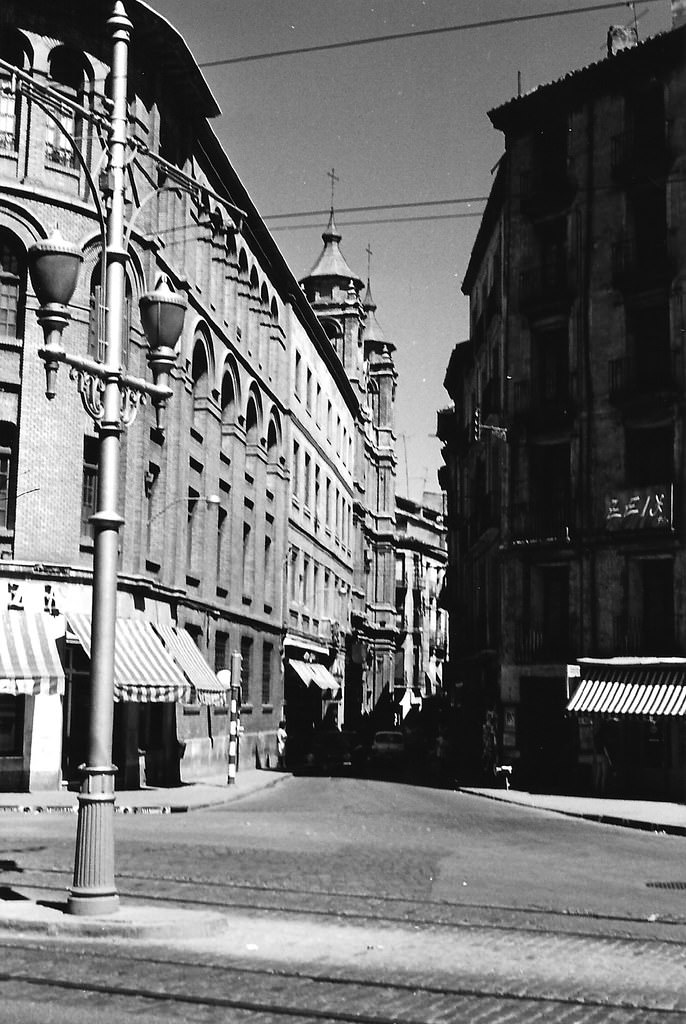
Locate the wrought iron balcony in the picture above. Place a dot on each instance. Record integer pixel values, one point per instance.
(547, 288)
(542, 521)
(538, 644)
(641, 267)
(632, 637)
(637, 156)
(659, 374)
(546, 403)
(548, 188)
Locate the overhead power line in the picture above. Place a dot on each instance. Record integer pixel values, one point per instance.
(378, 206)
(416, 33)
(383, 220)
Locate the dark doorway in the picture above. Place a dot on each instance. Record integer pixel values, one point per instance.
(545, 736)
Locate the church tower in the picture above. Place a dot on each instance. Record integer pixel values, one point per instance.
(348, 314)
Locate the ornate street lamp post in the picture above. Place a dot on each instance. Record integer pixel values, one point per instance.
(111, 397)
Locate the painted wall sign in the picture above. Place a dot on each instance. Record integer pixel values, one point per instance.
(643, 508)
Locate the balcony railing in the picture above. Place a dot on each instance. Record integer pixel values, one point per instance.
(538, 644)
(490, 400)
(546, 402)
(661, 372)
(548, 188)
(640, 267)
(544, 521)
(631, 637)
(547, 287)
(484, 516)
(635, 156)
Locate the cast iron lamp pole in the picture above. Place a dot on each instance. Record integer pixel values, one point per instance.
(111, 397)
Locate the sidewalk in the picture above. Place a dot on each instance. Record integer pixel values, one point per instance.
(193, 796)
(648, 815)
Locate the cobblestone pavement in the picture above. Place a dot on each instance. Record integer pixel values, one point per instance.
(348, 900)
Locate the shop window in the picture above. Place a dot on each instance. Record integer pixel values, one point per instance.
(11, 725)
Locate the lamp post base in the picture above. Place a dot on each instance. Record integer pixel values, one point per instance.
(94, 892)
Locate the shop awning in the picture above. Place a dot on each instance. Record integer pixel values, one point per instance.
(143, 671)
(312, 673)
(636, 686)
(29, 662)
(179, 644)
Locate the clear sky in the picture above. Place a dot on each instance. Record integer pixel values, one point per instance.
(403, 121)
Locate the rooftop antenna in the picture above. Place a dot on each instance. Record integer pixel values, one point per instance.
(519, 83)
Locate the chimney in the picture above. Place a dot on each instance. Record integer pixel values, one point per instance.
(622, 37)
(678, 13)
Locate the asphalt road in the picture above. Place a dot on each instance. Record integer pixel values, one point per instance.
(359, 900)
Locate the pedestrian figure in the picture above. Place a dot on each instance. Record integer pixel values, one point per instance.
(281, 737)
(603, 762)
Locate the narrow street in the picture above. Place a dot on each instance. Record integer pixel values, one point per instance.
(360, 900)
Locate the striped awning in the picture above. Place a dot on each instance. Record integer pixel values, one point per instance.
(642, 687)
(29, 662)
(143, 671)
(205, 686)
(319, 675)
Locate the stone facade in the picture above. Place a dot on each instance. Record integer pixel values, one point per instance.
(564, 535)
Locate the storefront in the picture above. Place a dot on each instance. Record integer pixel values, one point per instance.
(170, 713)
(32, 682)
(631, 722)
(314, 695)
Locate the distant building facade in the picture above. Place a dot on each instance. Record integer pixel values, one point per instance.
(422, 622)
(565, 536)
(253, 524)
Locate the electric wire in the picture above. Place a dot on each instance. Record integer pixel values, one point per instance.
(416, 33)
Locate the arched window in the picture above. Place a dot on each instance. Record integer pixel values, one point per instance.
(68, 69)
(273, 439)
(252, 422)
(12, 286)
(228, 399)
(200, 377)
(12, 50)
(97, 345)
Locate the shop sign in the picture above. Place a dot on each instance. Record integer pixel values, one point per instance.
(643, 508)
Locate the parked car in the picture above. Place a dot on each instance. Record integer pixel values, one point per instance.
(388, 753)
(333, 752)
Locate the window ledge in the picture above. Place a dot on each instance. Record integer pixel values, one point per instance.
(151, 565)
(196, 435)
(192, 581)
(222, 592)
(246, 709)
(246, 599)
(267, 709)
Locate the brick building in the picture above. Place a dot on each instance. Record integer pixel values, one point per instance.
(247, 524)
(565, 536)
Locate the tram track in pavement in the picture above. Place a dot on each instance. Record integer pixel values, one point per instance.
(176, 986)
(364, 906)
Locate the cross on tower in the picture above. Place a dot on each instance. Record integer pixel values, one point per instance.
(369, 252)
(334, 178)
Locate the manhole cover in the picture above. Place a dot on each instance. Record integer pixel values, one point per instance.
(666, 885)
